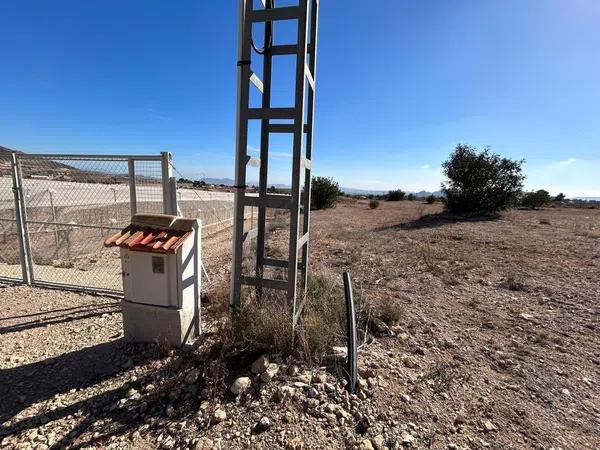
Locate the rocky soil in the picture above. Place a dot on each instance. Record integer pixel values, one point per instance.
(497, 346)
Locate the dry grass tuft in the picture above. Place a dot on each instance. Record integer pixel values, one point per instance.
(389, 311)
(265, 324)
(514, 283)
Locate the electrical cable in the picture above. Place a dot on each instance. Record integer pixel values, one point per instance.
(268, 32)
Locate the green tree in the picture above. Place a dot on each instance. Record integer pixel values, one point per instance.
(324, 193)
(396, 195)
(536, 199)
(560, 198)
(481, 182)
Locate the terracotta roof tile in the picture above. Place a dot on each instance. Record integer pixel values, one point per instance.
(148, 239)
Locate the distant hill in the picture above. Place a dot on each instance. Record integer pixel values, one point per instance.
(423, 194)
(347, 190)
(37, 167)
(31, 166)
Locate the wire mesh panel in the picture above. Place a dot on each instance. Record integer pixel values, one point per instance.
(10, 262)
(72, 204)
(213, 208)
(149, 186)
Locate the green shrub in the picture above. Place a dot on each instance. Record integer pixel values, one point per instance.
(325, 193)
(430, 199)
(373, 204)
(396, 196)
(481, 182)
(536, 199)
(411, 197)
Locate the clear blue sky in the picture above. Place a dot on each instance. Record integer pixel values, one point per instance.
(399, 83)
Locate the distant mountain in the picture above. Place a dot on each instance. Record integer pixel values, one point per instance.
(354, 191)
(53, 169)
(347, 190)
(225, 181)
(5, 151)
(423, 194)
(230, 182)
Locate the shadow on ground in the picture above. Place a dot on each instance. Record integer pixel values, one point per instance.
(57, 316)
(25, 385)
(101, 392)
(437, 220)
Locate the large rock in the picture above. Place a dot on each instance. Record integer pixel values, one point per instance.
(240, 385)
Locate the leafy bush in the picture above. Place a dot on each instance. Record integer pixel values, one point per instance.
(325, 193)
(536, 199)
(396, 196)
(411, 197)
(560, 198)
(430, 199)
(481, 182)
(373, 204)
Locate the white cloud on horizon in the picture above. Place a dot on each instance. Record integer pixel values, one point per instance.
(568, 161)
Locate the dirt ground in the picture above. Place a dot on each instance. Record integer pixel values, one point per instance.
(498, 345)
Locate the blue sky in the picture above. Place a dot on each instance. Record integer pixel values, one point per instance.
(399, 83)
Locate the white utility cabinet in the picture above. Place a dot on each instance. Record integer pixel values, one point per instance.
(160, 261)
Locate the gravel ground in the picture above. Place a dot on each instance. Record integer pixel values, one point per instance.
(497, 347)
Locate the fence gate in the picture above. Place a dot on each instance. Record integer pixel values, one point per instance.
(56, 211)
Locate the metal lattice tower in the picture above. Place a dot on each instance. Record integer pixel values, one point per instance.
(296, 120)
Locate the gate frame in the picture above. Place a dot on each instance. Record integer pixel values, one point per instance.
(169, 197)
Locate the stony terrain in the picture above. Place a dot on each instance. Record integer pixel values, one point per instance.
(497, 346)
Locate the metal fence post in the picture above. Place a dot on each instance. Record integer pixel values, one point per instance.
(174, 203)
(169, 188)
(132, 187)
(21, 223)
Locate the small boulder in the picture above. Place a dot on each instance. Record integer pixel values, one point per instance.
(378, 442)
(407, 438)
(260, 365)
(269, 373)
(192, 376)
(263, 424)
(365, 444)
(219, 415)
(489, 426)
(240, 385)
(285, 393)
(295, 444)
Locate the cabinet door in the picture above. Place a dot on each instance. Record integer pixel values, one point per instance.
(149, 278)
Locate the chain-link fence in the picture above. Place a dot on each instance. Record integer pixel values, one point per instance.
(10, 261)
(70, 204)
